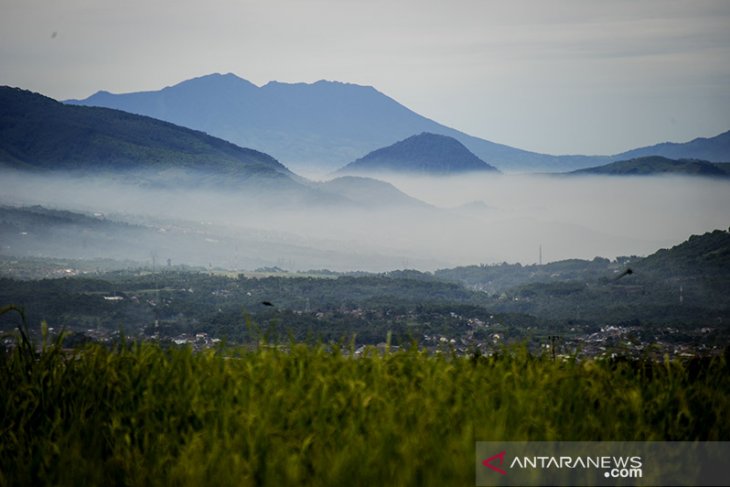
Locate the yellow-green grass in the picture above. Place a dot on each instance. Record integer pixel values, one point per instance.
(138, 414)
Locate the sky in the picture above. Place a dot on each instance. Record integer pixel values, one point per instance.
(558, 76)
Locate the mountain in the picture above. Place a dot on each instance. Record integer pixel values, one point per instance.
(650, 165)
(712, 149)
(323, 125)
(424, 154)
(42, 135)
(37, 132)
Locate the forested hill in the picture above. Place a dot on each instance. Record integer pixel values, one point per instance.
(37, 132)
(701, 256)
(652, 165)
(424, 153)
(707, 254)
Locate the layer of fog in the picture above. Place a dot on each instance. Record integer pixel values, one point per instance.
(477, 219)
(635, 215)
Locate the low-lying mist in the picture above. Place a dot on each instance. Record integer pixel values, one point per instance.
(473, 219)
(634, 215)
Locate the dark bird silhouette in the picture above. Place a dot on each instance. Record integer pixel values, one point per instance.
(267, 303)
(627, 272)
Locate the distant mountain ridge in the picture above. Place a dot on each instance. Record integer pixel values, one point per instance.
(325, 125)
(653, 165)
(322, 125)
(425, 153)
(41, 135)
(711, 149)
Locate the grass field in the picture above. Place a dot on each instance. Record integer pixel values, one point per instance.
(139, 414)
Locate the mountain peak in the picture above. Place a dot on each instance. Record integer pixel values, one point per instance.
(322, 83)
(215, 81)
(426, 153)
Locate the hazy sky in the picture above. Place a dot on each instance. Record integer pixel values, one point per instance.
(563, 76)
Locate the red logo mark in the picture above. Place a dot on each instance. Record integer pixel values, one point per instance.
(488, 462)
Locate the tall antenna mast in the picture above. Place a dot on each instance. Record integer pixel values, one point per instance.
(540, 254)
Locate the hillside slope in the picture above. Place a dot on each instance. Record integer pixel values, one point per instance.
(706, 255)
(46, 137)
(650, 165)
(424, 153)
(37, 132)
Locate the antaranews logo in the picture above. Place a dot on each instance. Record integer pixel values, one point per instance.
(488, 462)
(577, 463)
(612, 466)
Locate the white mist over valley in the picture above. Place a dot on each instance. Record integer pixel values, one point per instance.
(462, 220)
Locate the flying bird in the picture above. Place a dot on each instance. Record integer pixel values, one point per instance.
(627, 272)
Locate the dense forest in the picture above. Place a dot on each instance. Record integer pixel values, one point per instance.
(675, 295)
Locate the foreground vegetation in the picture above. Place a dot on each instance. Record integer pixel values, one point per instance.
(137, 413)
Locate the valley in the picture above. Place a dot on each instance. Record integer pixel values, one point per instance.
(334, 243)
